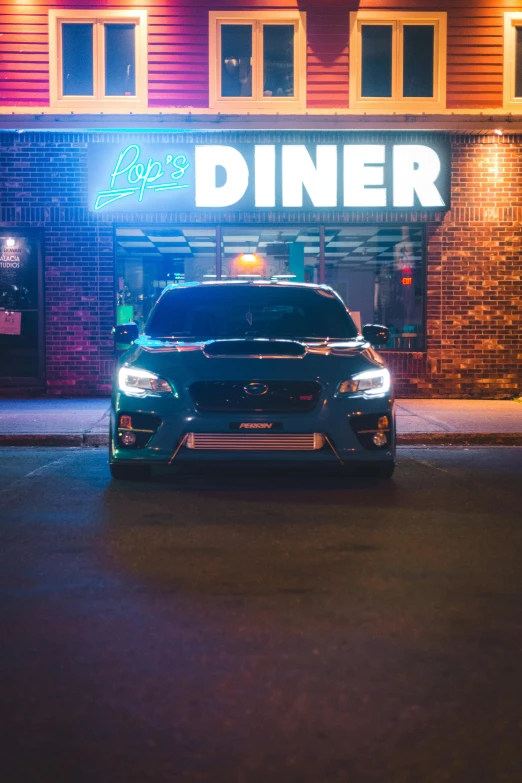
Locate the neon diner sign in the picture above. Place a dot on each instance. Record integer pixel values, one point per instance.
(159, 176)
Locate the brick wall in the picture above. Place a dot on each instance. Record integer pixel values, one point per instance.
(79, 292)
(474, 260)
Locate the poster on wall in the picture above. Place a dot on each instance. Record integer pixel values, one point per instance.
(10, 322)
(20, 305)
(173, 175)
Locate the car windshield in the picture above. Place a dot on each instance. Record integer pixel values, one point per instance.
(214, 311)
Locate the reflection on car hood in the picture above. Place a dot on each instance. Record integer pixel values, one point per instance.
(188, 361)
(248, 346)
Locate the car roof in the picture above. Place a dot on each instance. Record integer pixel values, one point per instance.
(248, 283)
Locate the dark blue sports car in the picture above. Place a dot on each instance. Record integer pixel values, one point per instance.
(257, 371)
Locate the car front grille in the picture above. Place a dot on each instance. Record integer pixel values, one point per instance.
(233, 397)
(255, 441)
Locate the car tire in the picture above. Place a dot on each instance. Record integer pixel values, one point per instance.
(129, 472)
(378, 470)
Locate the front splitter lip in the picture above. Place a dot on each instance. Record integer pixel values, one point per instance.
(328, 455)
(259, 460)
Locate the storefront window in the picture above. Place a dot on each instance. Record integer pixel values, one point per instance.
(379, 273)
(21, 316)
(270, 253)
(377, 270)
(149, 259)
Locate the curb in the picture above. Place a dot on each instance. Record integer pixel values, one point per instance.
(72, 441)
(93, 440)
(460, 439)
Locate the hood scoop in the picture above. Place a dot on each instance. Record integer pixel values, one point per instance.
(254, 349)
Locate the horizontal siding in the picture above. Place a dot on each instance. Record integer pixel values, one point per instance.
(476, 39)
(327, 55)
(24, 55)
(178, 48)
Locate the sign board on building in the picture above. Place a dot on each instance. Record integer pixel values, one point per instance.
(134, 177)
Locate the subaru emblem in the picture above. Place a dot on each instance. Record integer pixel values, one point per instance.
(256, 388)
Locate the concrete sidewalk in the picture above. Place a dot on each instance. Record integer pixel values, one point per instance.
(85, 422)
(492, 422)
(54, 422)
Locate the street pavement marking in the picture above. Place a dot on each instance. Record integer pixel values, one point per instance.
(429, 465)
(14, 484)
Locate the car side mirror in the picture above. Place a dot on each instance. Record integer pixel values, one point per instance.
(376, 334)
(125, 334)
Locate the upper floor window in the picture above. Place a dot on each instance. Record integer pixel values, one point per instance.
(98, 59)
(513, 60)
(257, 59)
(397, 60)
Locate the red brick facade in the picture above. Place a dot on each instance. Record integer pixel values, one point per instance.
(474, 262)
(474, 292)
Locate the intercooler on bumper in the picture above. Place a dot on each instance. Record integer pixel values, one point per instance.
(255, 441)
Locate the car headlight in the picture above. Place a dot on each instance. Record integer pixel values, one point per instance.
(138, 383)
(371, 382)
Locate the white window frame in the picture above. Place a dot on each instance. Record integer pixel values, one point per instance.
(398, 20)
(257, 102)
(512, 20)
(99, 101)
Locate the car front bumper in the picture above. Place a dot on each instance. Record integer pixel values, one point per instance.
(335, 420)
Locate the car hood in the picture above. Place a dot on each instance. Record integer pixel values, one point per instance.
(238, 359)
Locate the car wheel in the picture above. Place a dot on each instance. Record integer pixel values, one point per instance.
(129, 472)
(379, 470)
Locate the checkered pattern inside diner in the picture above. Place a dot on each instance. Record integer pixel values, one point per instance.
(347, 246)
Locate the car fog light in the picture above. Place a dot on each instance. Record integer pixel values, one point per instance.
(380, 438)
(128, 438)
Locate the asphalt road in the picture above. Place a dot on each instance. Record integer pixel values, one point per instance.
(261, 628)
